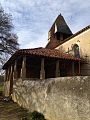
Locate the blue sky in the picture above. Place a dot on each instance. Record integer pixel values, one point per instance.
(32, 19)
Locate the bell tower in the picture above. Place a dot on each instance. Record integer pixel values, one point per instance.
(58, 32)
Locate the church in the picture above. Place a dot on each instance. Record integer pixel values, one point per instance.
(66, 54)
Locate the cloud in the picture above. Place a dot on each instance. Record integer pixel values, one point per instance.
(27, 39)
(33, 18)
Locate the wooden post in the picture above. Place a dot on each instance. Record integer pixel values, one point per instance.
(15, 70)
(11, 80)
(6, 74)
(24, 67)
(5, 79)
(7, 83)
(57, 74)
(42, 72)
(11, 72)
(73, 72)
(21, 73)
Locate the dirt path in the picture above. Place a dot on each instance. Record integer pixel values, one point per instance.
(10, 110)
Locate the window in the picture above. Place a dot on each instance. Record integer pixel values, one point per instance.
(75, 49)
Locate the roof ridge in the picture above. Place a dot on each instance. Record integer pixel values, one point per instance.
(30, 48)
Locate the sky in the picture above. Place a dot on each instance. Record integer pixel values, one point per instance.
(32, 19)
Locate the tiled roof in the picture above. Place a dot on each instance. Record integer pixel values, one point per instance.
(62, 26)
(41, 52)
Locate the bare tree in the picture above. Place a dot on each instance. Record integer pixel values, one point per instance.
(8, 40)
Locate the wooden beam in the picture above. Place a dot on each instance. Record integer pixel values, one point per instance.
(24, 67)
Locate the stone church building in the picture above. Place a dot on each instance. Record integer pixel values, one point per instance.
(66, 54)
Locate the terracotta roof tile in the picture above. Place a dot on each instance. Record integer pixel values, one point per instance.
(42, 52)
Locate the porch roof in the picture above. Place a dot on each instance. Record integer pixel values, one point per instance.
(40, 52)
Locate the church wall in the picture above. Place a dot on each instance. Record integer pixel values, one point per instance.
(83, 41)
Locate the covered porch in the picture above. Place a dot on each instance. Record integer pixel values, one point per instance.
(43, 67)
(41, 64)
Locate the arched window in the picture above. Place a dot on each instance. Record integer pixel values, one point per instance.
(75, 49)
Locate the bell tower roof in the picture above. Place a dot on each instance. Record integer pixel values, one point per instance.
(58, 32)
(61, 25)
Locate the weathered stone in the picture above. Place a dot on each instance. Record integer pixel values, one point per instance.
(64, 98)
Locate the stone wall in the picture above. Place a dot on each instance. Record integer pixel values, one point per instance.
(65, 98)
